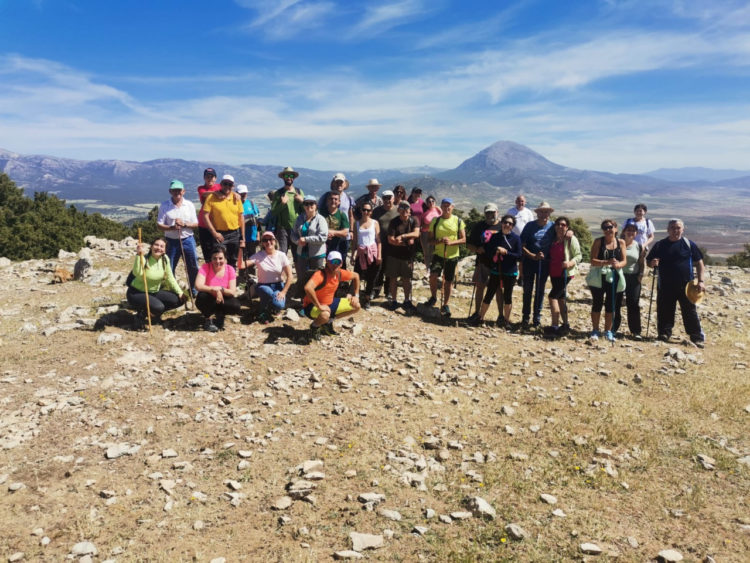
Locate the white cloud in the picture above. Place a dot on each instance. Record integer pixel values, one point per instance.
(283, 19)
(381, 17)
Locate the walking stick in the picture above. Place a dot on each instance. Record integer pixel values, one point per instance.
(654, 273)
(473, 290)
(614, 300)
(145, 284)
(442, 281)
(187, 274)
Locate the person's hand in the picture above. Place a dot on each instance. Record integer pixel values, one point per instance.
(378, 260)
(445, 240)
(502, 251)
(283, 200)
(354, 300)
(654, 263)
(330, 236)
(242, 243)
(219, 237)
(302, 241)
(569, 234)
(140, 249)
(183, 297)
(324, 308)
(539, 256)
(179, 223)
(219, 295)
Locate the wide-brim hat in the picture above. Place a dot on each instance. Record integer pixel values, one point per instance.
(288, 170)
(373, 182)
(693, 292)
(544, 206)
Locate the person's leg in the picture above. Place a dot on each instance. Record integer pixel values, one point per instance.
(191, 259)
(450, 275)
(406, 281)
(542, 273)
(341, 308)
(278, 303)
(232, 244)
(666, 304)
(492, 285)
(168, 299)
(174, 252)
(207, 242)
(690, 320)
(206, 303)
(230, 306)
(528, 288)
(265, 293)
(508, 283)
(632, 303)
(597, 302)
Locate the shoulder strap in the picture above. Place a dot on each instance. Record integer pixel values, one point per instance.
(435, 226)
(323, 283)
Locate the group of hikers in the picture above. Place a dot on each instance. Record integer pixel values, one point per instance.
(347, 251)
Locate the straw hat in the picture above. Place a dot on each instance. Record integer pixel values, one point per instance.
(288, 170)
(694, 294)
(544, 206)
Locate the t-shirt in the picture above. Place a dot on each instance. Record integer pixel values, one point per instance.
(480, 233)
(286, 215)
(203, 192)
(522, 217)
(398, 227)
(270, 267)
(224, 213)
(336, 221)
(446, 228)
(169, 213)
(211, 279)
(632, 255)
(428, 216)
(326, 293)
(645, 229)
(532, 235)
(675, 260)
(417, 210)
(384, 218)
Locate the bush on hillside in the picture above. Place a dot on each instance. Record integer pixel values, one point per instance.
(741, 259)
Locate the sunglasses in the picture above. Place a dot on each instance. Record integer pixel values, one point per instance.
(227, 184)
(608, 227)
(367, 211)
(265, 240)
(562, 225)
(511, 223)
(335, 262)
(289, 176)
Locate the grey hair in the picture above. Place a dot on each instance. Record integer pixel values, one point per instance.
(676, 222)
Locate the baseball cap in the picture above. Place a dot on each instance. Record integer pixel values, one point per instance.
(309, 197)
(339, 176)
(490, 207)
(176, 185)
(268, 234)
(404, 205)
(227, 178)
(446, 200)
(387, 193)
(209, 171)
(334, 255)
(241, 189)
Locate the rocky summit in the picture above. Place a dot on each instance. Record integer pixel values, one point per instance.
(410, 438)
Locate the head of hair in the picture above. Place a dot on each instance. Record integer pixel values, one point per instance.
(219, 248)
(509, 217)
(609, 222)
(640, 206)
(676, 221)
(428, 198)
(562, 218)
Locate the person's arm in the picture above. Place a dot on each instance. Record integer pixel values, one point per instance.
(354, 299)
(460, 240)
(620, 264)
(288, 280)
(595, 252)
(200, 282)
(310, 292)
(474, 244)
(169, 279)
(641, 264)
(231, 291)
(575, 255)
(700, 271)
(161, 220)
(320, 230)
(651, 230)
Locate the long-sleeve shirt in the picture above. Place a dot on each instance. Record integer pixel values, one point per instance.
(158, 275)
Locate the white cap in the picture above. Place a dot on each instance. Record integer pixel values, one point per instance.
(387, 193)
(334, 255)
(339, 176)
(241, 189)
(227, 178)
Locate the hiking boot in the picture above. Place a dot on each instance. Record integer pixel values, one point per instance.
(564, 329)
(210, 326)
(445, 311)
(595, 334)
(525, 325)
(552, 331)
(473, 318)
(664, 337)
(501, 322)
(409, 307)
(610, 336)
(699, 342)
(430, 302)
(264, 318)
(315, 333)
(392, 305)
(327, 329)
(220, 322)
(139, 322)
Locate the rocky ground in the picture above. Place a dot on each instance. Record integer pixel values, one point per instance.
(402, 438)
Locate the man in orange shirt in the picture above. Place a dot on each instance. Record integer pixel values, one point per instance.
(320, 302)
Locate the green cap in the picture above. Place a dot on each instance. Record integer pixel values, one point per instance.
(176, 185)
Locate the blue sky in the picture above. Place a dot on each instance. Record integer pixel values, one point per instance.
(621, 86)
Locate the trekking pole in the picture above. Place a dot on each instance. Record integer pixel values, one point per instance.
(564, 308)
(473, 289)
(442, 281)
(654, 273)
(187, 274)
(614, 300)
(145, 284)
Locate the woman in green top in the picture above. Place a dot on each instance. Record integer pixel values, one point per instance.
(634, 254)
(163, 291)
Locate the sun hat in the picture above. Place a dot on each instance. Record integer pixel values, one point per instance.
(176, 185)
(241, 189)
(334, 255)
(374, 182)
(227, 178)
(490, 207)
(387, 193)
(268, 234)
(693, 292)
(308, 198)
(288, 170)
(339, 176)
(544, 206)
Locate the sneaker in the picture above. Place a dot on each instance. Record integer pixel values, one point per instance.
(594, 335)
(264, 318)
(664, 337)
(430, 302)
(473, 318)
(210, 326)
(698, 342)
(408, 307)
(525, 325)
(564, 329)
(552, 331)
(315, 333)
(610, 336)
(474, 321)
(328, 330)
(637, 337)
(392, 305)
(220, 322)
(445, 311)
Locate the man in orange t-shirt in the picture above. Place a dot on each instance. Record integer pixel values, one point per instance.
(320, 302)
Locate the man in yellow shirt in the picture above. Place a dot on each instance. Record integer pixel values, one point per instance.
(448, 234)
(223, 214)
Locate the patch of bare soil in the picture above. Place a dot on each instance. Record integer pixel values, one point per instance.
(181, 445)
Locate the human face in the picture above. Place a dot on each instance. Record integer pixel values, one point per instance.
(640, 214)
(310, 208)
(333, 202)
(218, 260)
(176, 195)
(507, 226)
(267, 244)
(333, 266)
(209, 179)
(387, 201)
(629, 233)
(288, 179)
(543, 214)
(404, 212)
(490, 217)
(338, 185)
(226, 187)
(561, 228)
(446, 207)
(158, 248)
(430, 202)
(520, 202)
(366, 211)
(675, 231)
(400, 194)
(609, 230)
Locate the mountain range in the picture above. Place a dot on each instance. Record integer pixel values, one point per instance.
(500, 170)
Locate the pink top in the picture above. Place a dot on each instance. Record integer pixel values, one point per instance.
(269, 267)
(428, 216)
(556, 258)
(417, 209)
(212, 280)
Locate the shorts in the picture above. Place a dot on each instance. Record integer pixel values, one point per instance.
(481, 274)
(397, 268)
(438, 262)
(558, 287)
(338, 307)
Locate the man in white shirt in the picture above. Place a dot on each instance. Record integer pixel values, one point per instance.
(177, 219)
(523, 215)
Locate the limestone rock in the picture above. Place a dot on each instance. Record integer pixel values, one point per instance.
(360, 542)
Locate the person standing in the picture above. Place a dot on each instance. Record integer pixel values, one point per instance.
(309, 236)
(223, 214)
(205, 238)
(338, 225)
(430, 210)
(534, 265)
(403, 232)
(645, 227)
(563, 256)
(417, 203)
(633, 271)
(370, 197)
(177, 219)
(480, 233)
(285, 206)
(448, 234)
(523, 215)
(607, 254)
(679, 260)
(384, 214)
(340, 185)
(251, 216)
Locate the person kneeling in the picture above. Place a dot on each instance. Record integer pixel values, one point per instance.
(216, 283)
(320, 302)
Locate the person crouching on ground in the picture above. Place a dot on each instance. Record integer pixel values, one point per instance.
(217, 290)
(320, 302)
(274, 277)
(158, 275)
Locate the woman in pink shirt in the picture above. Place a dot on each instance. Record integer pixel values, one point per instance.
(216, 283)
(430, 211)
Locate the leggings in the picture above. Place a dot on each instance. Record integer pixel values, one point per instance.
(598, 295)
(368, 275)
(206, 303)
(159, 302)
(494, 282)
